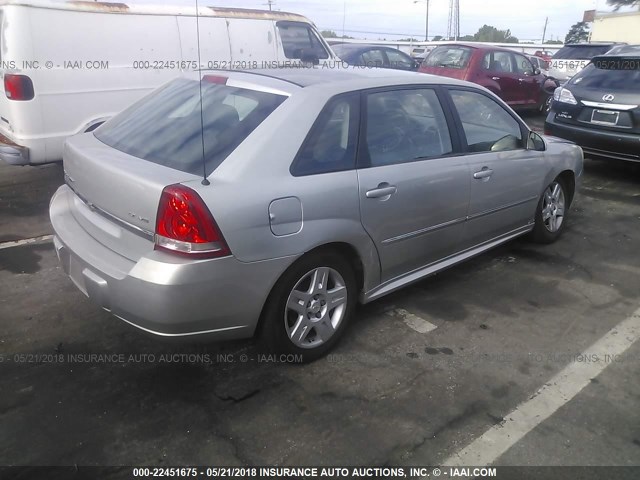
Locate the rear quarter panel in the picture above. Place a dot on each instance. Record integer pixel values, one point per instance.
(257, 172)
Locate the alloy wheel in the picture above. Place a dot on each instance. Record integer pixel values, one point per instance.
(315, 307)
(553, 206)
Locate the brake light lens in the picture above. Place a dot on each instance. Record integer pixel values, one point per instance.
(185, 225)
(216, 79)
(563, 95)
(18, 87)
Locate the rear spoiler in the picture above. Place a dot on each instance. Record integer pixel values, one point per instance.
(616, 62)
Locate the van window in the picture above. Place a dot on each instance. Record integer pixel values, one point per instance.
(167, 126)
(299, 40)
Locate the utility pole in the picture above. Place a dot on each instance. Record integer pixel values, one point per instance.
(544, 33)
(270, 3)
(453, 29)
(426, 26)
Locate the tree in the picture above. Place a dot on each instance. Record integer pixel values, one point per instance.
(579, 32)
(623, 3)
(332, 34)
(487, 33)
(412, 39)
(437, 38)
(553, 42)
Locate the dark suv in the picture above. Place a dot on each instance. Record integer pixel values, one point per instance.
(599, 108)
(508, 74)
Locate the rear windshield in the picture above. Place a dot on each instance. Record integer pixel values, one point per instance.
(167, 126)
(581, 52)
(449, 57)
(616, 80)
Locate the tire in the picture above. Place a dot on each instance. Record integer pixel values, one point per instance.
(299, 318)
(545, 107)
(551, 213)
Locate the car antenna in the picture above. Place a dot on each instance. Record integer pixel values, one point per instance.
(205, 181)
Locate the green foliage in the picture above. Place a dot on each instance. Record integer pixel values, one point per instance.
(579, 32)
(332, 34)
(488, 33)
(437, 38)
(623, 3)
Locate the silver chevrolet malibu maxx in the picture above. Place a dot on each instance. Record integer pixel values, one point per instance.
(309, 191)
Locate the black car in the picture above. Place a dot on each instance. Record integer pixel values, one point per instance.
(374, 56)
(599, 108)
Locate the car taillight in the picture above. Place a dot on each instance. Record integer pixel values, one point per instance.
(18, 87)
(185, 225)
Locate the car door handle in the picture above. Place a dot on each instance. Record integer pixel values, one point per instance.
(484, 173)
(495, 78)
(383, 190)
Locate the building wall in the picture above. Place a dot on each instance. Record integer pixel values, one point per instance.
(616, 27)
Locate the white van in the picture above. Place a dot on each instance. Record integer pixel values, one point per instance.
(68, 66)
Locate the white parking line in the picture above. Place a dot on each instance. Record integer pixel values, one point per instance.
(26, 241)
(558, 391)
(414, 322)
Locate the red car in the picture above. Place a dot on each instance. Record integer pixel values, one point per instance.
(508, 74)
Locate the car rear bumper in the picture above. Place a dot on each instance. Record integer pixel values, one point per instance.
(12, 153)
(160, 293)
(597, 143)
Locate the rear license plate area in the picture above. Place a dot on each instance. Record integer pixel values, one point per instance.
(605, 117)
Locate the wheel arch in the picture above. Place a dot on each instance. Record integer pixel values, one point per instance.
(569, 179)
(346, 250)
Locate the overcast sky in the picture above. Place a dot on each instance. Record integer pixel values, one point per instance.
(375, 19)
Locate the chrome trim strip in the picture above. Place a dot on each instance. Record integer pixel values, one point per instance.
(418, 274)
(422, 231)
(450, 223)
(127, 226)
(611, 106)
(188, 334)
(503, 207)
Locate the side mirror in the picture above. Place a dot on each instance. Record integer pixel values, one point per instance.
(306, 57)
(536, 71)
(535, 142)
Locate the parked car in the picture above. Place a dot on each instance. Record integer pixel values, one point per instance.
(374, 56)
(546, 55)
(599, 108)
(508, 74)
(307, 192)
(59, 81)
(573, 57)
(540, 64)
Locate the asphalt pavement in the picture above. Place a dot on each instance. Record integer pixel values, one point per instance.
(512, 325)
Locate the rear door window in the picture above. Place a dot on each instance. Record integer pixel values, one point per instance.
(300, 41)
(399, 60)
(332, 143)
(499, 62)
(404, 126)
(372, 58)
(167, 126)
